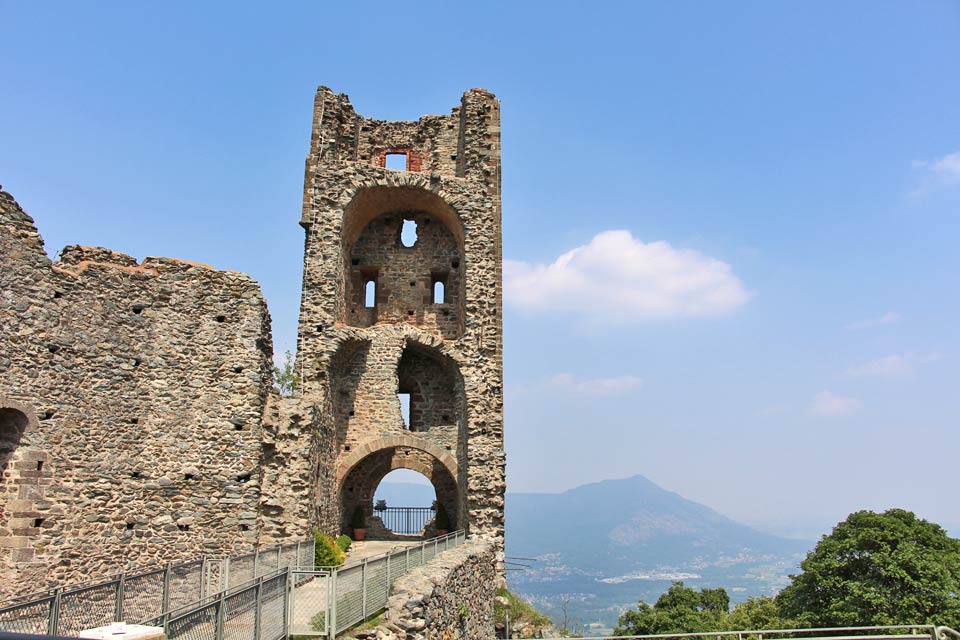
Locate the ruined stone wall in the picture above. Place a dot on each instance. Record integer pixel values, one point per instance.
(352, 211)
(450, 597)
(144, 385)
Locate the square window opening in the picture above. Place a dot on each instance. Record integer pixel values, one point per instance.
(396, 161)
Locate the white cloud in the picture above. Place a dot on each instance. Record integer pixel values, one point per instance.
(943, 171)
(828, 404)
(886, 366)
(618, 278)
(568, 383)
(892, 365)
(890, 317)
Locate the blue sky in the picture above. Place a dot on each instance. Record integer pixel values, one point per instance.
(762, 201)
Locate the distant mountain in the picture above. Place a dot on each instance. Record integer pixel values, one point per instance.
(608, 544)
(405, 494)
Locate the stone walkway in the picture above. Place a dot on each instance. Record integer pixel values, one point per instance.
(310, 598)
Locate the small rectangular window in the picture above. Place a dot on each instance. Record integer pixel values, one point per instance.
(370, 294)
(396, 161)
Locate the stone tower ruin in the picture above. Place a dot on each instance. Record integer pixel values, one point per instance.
(138, 420)
(402, 295)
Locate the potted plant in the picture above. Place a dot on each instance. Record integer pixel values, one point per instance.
(441, 521)
(359, 524)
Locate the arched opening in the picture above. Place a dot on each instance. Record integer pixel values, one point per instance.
(428, 382)
(410, 239)
(405, 502)
(364, 478)
(13, 423)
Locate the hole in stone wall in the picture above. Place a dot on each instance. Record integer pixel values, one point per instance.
(413, 283)
(455, 264)
(244, 478)
(396, 161)
(221, 318)
(49, 413)
(352, 412)
(38, 522)
(408, 233)
(188, 476)
(129, 526)
(238, 427)
(445, 418)
(136, 474)
(370, 294)
(39, 465)
(355, 262)
(136, 362)
(238, 369)
(244, 527)
(183, 527)
(439, 292)
(138, 308)
(405, 408)
(53, 348)
(12, 425)
(57, 294)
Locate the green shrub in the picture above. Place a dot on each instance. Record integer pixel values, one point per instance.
(344, 542)
(359, 519)
(327, 553)
(441, 520)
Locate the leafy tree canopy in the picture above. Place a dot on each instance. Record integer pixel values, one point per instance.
(878, 569)
(679, 610)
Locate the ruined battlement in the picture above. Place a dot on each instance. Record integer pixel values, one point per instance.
(138, 422)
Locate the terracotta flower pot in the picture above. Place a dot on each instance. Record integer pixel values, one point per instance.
(359, 534)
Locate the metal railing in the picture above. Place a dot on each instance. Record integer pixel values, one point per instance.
(405, 520)
(144, 595)
(888, 632)
(329, 600)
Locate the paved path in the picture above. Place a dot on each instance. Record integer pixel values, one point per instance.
(310, 597)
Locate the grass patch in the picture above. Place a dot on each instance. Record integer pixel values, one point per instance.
(519, 610)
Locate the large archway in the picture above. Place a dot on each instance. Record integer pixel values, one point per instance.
(362, 473)
(402, 251)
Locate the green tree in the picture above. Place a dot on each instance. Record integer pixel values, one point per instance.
(878, 569)
(679, 610)
(284, 377)
(757, 614)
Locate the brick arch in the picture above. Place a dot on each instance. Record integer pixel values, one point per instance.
(370, 201)
(394, 442)
(362, 472)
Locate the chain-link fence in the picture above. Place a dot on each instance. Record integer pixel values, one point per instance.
(326, 602)
(148, 595)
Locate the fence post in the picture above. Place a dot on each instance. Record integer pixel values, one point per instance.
(165, 598)
(297, 557)
(204, 577)
(118, 604)
(258, 610)
(423, 553)
(256, 562)
(218, 631)
(287, 602)
(363, 589)
(54, 620)
(225, 578)
(332, 593)
(279, 550)
(388, 575)
(406, 564)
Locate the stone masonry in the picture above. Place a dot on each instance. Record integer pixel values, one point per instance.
(138, 423)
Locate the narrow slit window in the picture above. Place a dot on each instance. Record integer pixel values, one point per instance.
(370, 294)
(405, 408)
(396, 161)
(438, 292)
